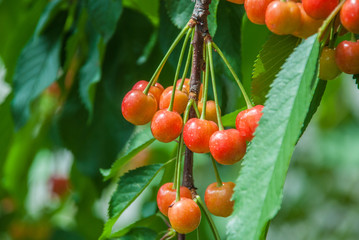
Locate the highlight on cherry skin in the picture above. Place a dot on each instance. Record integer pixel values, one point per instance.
(319, 9)
(138, 108)
(349, 15)
(166, 125)
(180, 100)
(247, 121)
(218, 199)
(347, 57)
(184, 215)
(227, 146)
(167, 194)
(196, 134)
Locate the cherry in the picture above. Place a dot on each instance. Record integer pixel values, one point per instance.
(180, 101)
(196, 134)
(282, 17)
(211, 111)
(328, 69)
(256, 10)
(347, 57)
(155, 90)
(186, 84)
(184, 215)
(218, 199)
(349, 15)
(247, 121)
(236, 1)
(308, 25)
(167, 194)
(227, 146)
(60, 185)
(319, 9)
(138, 108)
(166, 126)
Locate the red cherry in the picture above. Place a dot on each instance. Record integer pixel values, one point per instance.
(155, 90)
(328, 69)
(138, 108)
(347, 57)
(166, 126)
(319, 9)
(59, 185)
(308, 25)
(184, 215)
(282, 17)
(349, 15)
(211, 111)
(227, 146)
(256, 10)
(247, 121)
(218, 199)
(180, 101)
(167, 194)
(196, 134)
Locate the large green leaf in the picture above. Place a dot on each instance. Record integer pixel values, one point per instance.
(259, 187)
(268, 63)
(148, 8)
(229, 120)
(48, 14)
(130, 186)
(139, 234)
(140, 139)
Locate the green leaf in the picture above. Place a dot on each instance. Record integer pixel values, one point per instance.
(259, 187)
(268, 63)
(140, 139)
(139, 234)
(104, 16)
(48, 14)
(36, 69)
(130, 186)
(229, 120)
(356, 78)
(149, 8)
(180, 12)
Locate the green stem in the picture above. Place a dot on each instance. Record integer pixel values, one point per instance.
(196, 110)
(179, 169)
(188, 62)
(205, 87)
(175, 181)
(329, 19)
(170, 108)
(209, 48)
(159, 68)
(246, 98)
(218, 178)
(208, 216)
(186, 112)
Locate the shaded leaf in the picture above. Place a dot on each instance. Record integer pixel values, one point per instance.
(258, 192)
(48, 14)
(139, 234)
(356, 79)
(229, 120)
(268, 63)
(148, 8)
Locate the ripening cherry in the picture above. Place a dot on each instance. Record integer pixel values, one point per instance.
(211, 111)
(256, 10)
(328, 68)
(247, 121)
(180, 101)
(236, 1)
(155, 90)
(167, 194)
(347, 57)
(185, 85)
(282, 17)
(196, 134)
(218, 199)
(308, 25)
(166, 126)
(349, 15)
(227, 146)
(184, 215)
(138, 108)
(319, 9)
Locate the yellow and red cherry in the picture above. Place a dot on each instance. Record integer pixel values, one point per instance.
(308, 25)
(282, 17)
(328, 68)
(184, 215)
(138, 108)
(180, 100)
(247, 121)
(218, 199)
(186, 84)
(196, 134)
(319, 9)
(155, 90)
(167, 194)
(227, 146)
(256, 10)
(211, 111)
(166, 125)
(347, 57)
(349, 15)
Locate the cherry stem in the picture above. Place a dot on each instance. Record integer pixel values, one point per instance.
(170, 108)
(218, 178)
(327, 21)
(352, 37)
(208, 216)
(159, 68)
(188, 62)
(205, 87)
(179, 169)
(246, 98)
(209, 48)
